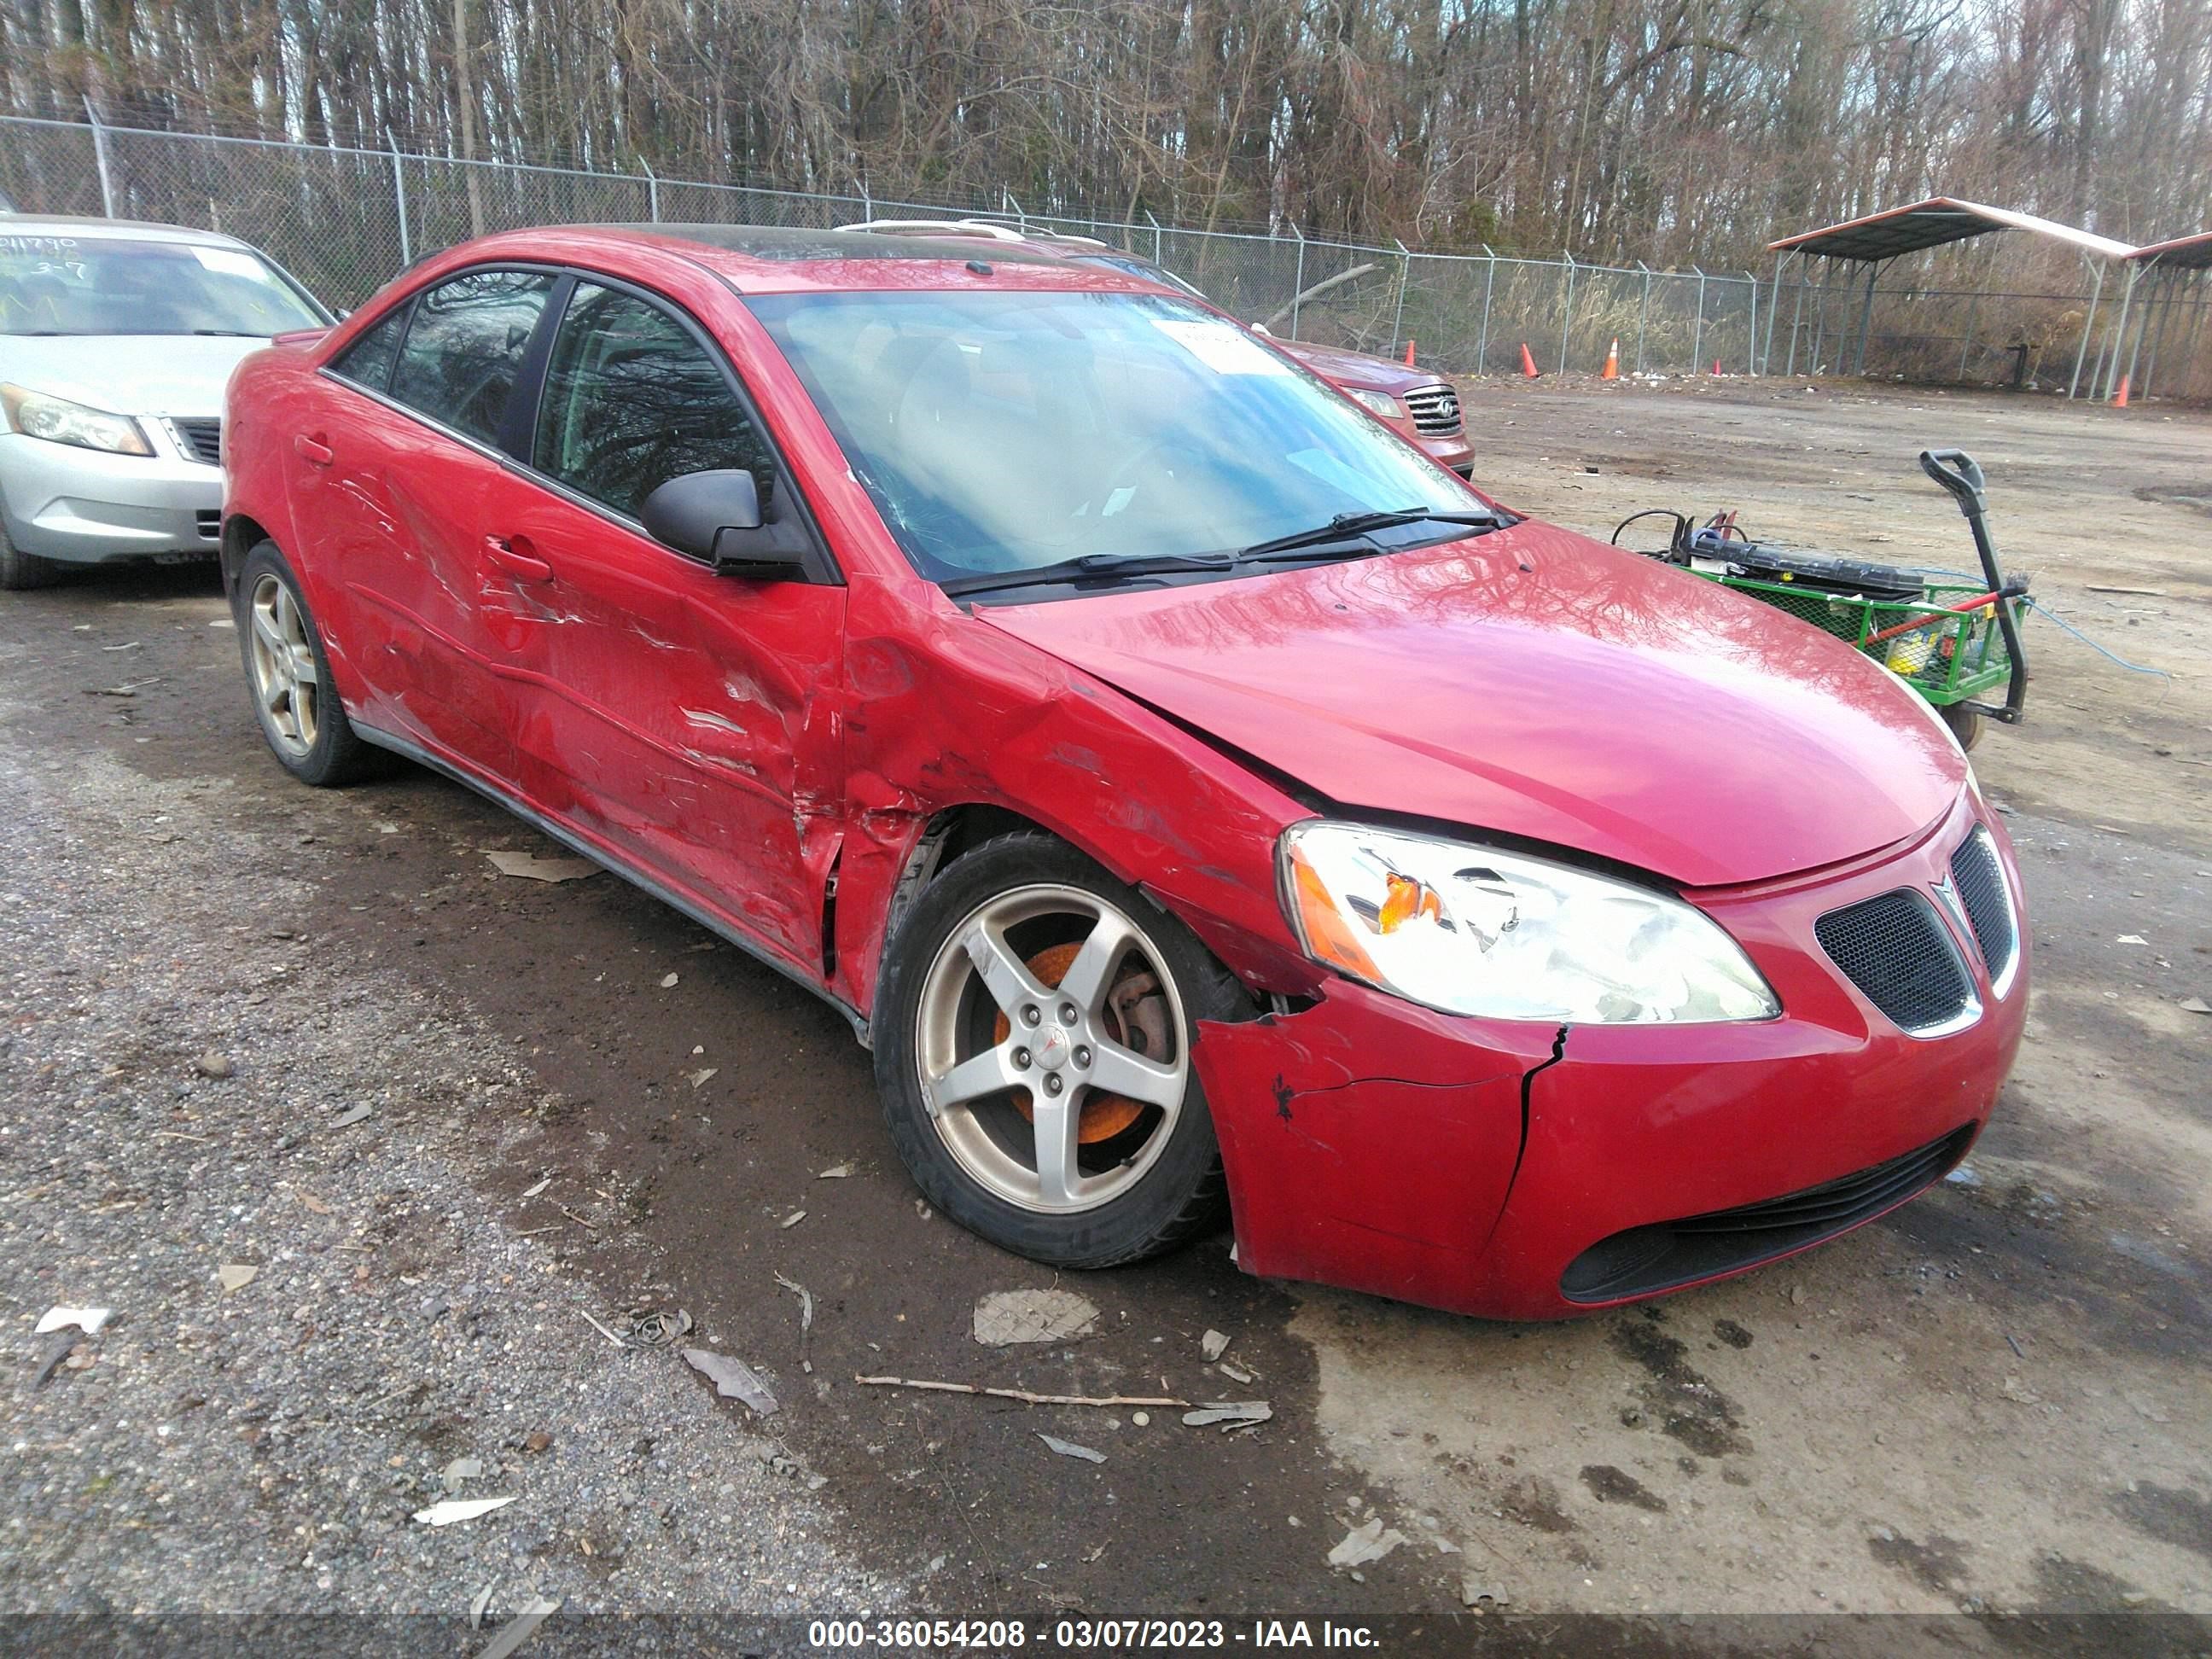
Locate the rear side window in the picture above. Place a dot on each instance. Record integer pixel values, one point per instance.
(367, 362)
(632, 400)
(465, 346)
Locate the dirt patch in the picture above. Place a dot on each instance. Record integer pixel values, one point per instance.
(1611, 1485)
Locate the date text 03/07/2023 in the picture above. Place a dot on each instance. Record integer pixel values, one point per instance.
(1080, 1635)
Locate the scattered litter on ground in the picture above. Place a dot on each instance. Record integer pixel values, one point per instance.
(668, 983)
(2140, 593)
(532, 866)
(1212, 1345)
(732, 1379)
(53, 1362)
(215, 1064)
(460, 1469)
(700, 1076)
(347, 1119)
(1369, 1541)
(1233, 1414)
(601, 1329)
(1023, 1394)
(835, 1172)
(446, 1511)
(520, 1628)
(88, 1320)
(2019, 1392)
(476, 1607)
(2195, 1005)
(1069, 1449)
(791, 1220)
(236, 1275)
(532, 1191)
(805, 1316)
(650, 1327)
(1141, 1419)
(2131, 939)
(1006, 1317)
(1236, 1373)
(1474, 1593)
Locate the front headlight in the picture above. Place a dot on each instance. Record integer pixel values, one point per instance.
(1472, 930)
(1381, 401)
(37, 415)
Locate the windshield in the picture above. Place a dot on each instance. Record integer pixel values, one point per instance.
(1006, 432)
(99, 285)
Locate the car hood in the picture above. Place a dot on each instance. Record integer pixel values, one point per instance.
(1534, 682)
(1344, 368)
(127, 373)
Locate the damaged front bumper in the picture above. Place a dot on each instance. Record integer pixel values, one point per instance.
(1520, 1171)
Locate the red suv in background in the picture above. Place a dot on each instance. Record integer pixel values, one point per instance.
(1418, 405)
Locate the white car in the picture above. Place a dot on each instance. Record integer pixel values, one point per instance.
(116, 341)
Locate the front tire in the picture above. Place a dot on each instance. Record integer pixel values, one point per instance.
(1033, 1039)
(20, 570)
(1965, 725)
(289, 677)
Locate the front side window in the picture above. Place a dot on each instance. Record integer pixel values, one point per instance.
(1004, 432)
(367, 362)
(632, 400)
(61, 284)
(464, 347)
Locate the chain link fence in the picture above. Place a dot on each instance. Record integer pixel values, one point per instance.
(345, 221)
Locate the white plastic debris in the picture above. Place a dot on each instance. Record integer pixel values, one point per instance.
(792, 1219)
(1212, 1345)
(88, 1320)
(700, 1077)
(835, 1172)
(2195, 1005)
(532, 868)
(460, 1469)
(1006, 1317)
(532, 1191)
(520, 1628)
(447, 1511)
(1370, 1541)
(668, 982)
(1231, 1414)
(236, 1275)
(1069, 1449)
(733, 1378)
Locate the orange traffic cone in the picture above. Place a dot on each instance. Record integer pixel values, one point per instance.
(1612, 370)
(1409, 351)
(1528, 363)
(2120, 398)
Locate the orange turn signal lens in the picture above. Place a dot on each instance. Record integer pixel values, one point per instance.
(1326, 935)
(1407, 899)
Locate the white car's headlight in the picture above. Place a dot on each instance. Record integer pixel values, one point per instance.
(1474, 930)
(38, 414)
(1381, 401)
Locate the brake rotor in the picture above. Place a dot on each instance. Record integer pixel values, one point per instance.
(1136, 1018)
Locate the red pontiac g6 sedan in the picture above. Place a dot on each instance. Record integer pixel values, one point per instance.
(1188, 790)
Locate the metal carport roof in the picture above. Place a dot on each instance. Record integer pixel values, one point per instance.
(1932, 223)
(2182, 253)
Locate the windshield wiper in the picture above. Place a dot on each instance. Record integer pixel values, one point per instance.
(1092, 565)
(1350, 527)
(231, 333)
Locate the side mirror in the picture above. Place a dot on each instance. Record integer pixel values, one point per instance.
(716, 516)
(1263, 330)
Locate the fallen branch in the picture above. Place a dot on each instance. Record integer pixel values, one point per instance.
(1316, 291)
(1023, 1394)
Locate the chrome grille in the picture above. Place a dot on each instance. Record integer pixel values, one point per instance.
(200, 438)
(1980, 880)
(1896, 950)
(1435, 410)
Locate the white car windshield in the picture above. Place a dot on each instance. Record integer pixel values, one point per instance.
(63, 285)
(1008, 432)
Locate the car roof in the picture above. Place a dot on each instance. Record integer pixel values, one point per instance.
(770, 259)
(91, 229)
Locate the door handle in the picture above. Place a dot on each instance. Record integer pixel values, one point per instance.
(523, 566)
(313, 450)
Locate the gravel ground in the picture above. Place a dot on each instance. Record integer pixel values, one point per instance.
(263, 1447)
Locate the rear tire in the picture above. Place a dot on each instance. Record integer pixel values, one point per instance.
(1096, 1148)
(20, 570)
(288, 677)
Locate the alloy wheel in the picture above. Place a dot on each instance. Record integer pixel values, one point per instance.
(1053, 1049)
(287, 683)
